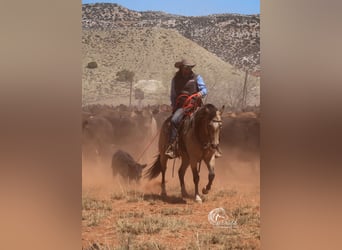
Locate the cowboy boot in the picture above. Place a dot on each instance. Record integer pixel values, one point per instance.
(170, 151)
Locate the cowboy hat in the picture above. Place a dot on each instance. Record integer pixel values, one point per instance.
(184, 62)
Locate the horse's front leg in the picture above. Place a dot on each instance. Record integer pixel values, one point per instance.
(196, 180)
(211, 168)
(181, 173)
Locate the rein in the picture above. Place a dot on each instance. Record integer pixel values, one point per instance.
(211, 145)
(148, 145)
(208, 144)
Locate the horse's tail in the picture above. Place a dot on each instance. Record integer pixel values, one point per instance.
(154, 170)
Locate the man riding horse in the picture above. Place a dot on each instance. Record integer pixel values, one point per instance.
(187, 91)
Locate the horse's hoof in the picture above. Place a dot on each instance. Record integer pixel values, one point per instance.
(198, 199)
(185, 194)
(205, 191)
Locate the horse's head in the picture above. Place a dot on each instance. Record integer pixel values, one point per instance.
(214, 126)
(209, 124)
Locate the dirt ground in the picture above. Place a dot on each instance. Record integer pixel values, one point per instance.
(117, 215)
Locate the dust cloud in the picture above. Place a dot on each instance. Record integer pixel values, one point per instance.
(234, 170)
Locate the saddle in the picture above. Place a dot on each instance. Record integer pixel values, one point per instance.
(184, 126)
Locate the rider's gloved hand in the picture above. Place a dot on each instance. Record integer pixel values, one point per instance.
(198, 95)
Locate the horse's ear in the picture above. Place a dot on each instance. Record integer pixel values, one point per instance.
(222, 109)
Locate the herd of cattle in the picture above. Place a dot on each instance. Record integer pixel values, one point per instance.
(109, 132)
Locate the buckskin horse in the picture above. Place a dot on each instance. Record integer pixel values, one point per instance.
(198, 140)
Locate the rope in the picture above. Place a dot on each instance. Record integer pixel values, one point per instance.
(148, 145)
(190, 103)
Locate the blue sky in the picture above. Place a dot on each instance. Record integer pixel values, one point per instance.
(189, 7)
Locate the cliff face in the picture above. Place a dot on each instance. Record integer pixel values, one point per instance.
(232, 37)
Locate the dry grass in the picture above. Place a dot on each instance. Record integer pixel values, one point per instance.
(150, 225)
(138, 224)
(216, 196)
(118, 216)
(130, 195)
(176, 211)
(93, 211)
(222, 239)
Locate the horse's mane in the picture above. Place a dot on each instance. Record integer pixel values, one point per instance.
(202, 116)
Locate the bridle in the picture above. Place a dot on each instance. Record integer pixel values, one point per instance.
(211, 144)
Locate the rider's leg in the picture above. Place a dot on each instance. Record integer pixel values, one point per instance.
(175, 121)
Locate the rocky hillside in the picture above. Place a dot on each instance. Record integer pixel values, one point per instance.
(151, 53)
(232, 37)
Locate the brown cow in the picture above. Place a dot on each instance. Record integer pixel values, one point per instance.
(96, 138)
(241, 132)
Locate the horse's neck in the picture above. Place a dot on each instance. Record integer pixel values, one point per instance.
(202, 134)
(187, 124)
(199, 130)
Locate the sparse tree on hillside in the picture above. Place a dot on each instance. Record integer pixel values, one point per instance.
(244, 92)
(126, 76)
(233, 96)
(245, 88)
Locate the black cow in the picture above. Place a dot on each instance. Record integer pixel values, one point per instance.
(124, 165)
(97, 136)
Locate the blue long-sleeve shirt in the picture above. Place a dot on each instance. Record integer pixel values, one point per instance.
(201, 87)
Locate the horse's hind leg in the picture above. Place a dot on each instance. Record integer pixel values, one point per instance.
(181, 173)
(163, 162)
(211, 175)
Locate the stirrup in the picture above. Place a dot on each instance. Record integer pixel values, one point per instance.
(170, 152)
